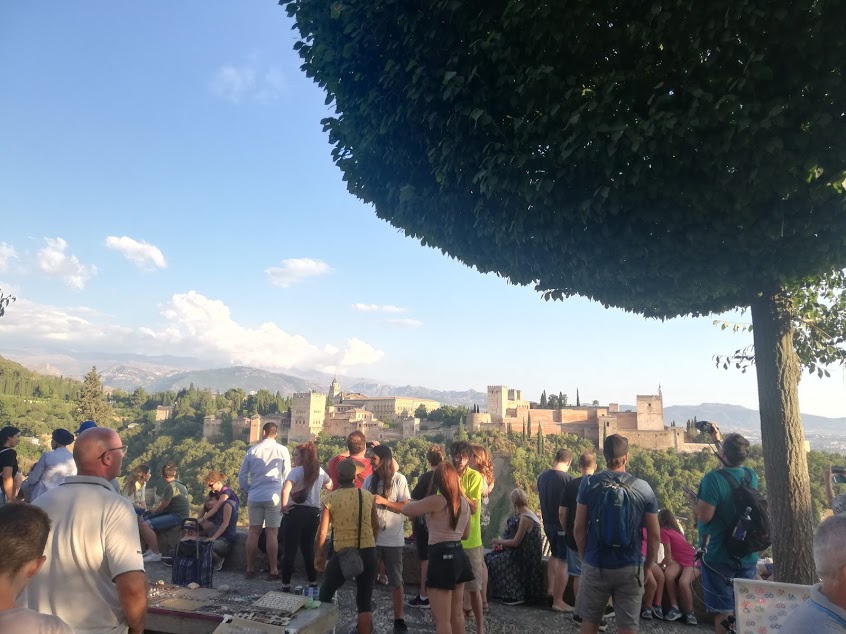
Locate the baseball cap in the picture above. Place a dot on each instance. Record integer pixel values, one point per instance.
(86, 425)
(615, 446)
(348, 469)
(63, 437)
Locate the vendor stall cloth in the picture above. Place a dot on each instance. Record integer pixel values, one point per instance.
(763, 606)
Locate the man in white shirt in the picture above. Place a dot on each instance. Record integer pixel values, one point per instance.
(262, 473)
(52, 467)
(94, 577)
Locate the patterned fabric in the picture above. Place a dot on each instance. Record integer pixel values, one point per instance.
(516, 574)
(192, 563)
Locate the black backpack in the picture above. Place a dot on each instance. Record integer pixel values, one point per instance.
(756, 531)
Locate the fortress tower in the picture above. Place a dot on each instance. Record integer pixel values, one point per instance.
(650, 412)
(497, 402)
(334, 392)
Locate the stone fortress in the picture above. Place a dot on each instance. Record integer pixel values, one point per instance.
(338, 414)
(507, 410)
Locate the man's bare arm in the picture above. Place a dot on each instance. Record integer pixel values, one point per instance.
(132, 591)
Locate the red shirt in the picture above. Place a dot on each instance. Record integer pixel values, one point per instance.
(332, 470)
(682, 551)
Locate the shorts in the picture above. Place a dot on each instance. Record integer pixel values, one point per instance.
(391, 556)
(624, 585)
(421, 541)
(221, 547)
(476, 564)
(448, 566)
(164, 521)
(268, 514)
(717, 593)
(557, 543)
(574, 563)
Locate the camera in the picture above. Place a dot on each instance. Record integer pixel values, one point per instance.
(704, 426)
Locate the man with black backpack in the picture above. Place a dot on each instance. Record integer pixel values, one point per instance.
(612, 507)
(731, 514)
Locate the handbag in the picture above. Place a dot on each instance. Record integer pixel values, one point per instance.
(352, 565)
(299, 497)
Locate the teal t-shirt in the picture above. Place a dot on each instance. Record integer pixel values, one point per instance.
(716, 491)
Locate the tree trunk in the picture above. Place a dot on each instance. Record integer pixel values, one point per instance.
(785, 460)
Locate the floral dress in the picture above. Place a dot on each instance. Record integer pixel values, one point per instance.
(516, 574)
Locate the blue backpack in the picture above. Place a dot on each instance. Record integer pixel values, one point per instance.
(612, 509)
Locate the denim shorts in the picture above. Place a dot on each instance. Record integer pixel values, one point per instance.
(574, 563)
(718, 593)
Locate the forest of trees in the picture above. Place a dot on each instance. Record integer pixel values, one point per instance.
(180, 440)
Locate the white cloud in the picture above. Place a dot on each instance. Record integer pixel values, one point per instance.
(7, 254)
(193, 325)
(145, 255)
(372, 308)
(296, 270)
(409, 323)
(53, 261)
(248, 81)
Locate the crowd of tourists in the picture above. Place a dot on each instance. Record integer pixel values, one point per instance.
(72, 557)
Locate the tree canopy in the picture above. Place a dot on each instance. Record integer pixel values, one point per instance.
(666, 158)
(672, 158)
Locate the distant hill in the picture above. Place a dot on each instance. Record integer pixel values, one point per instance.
(249, 379)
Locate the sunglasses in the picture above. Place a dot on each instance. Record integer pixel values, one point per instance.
(123, 449)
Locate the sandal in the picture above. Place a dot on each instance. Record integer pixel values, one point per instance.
(468, 614)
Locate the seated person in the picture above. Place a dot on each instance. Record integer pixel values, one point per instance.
(225, 519)
(23, 536)
(653, 584)
(218, 494)
(677, 564)
(174, 507)
(135, 489)
(515, 573)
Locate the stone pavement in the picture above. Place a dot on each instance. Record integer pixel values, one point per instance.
(500, 620)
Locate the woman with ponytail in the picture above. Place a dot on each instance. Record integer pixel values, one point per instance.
(301, 505)
(448, 520)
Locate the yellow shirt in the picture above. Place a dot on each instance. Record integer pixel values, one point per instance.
(343, 505)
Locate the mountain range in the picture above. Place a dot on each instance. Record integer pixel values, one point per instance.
(173, 373)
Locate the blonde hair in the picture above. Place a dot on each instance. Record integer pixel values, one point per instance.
(519, 498)
(484, 463)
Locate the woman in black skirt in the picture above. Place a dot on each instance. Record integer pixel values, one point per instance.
(448, 520)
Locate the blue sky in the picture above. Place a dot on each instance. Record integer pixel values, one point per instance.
(166, 187)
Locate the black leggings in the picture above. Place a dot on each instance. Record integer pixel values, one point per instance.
(300, 528)
(333, 579)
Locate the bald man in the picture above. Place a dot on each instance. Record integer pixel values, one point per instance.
(94, 576)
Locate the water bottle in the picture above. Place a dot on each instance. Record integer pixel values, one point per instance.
(740, 529)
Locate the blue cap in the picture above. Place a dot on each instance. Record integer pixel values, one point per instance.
(86, 425)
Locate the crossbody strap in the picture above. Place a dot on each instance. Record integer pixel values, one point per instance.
(359, 517)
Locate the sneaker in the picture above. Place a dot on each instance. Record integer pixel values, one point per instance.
(168, 561)
(647, 614)
(690, 619)
(603, 625)
(658, 611)
(399, 626)
(673, 614)
(577, 618)
(515, 602)
(218, 564)
(152, 558)
(419, 602)
(609, 612)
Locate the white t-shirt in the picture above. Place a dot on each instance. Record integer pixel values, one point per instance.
(391, 525)
(93, 539)
(26, 621)
(297, 478)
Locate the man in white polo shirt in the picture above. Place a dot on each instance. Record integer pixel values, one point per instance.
(94, 577)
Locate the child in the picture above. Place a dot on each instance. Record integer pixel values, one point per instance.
(679, 572)
(653, 586)
(23, 535)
